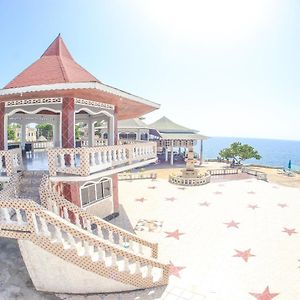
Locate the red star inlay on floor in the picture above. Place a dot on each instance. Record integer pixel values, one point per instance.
(181, 188)
(175, 234)
(204, 203)
(289, 231)
(221, 184)
(174, 270)
(170, 199)
(265, 295)
(232, 224)
(282, 205)
(152, 187)
(275, 187)
(253, 206)
(140, 199)
(218, 193)
(251, 193)
(243, 254)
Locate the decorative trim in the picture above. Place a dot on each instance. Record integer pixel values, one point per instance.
(94, 103)
(35, 101)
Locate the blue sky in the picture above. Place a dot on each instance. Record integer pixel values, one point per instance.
(226, 68)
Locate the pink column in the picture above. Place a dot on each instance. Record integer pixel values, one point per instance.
(115, 176)
(68, 123)
(2, 125)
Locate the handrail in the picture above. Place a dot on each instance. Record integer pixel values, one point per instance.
(87, 160)
(215, 172)
(11, 161)
(83, 219)
(36, 228)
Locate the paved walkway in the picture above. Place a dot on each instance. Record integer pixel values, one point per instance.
(235, 240)
(227, 241)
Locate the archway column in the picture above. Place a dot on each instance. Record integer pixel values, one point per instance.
(3, 127)
(113, 129)
(23, 135)
(91, 133)
(172, 155)
(68, 123)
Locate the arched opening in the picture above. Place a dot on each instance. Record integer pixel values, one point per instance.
(123, 136)
(132, 136)
(144, 136)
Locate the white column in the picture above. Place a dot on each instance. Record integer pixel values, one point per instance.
(201, 152)
(23, 135)
(110, 131)
(172, 156)
(56, 133)
(91, 133)
(166, 154)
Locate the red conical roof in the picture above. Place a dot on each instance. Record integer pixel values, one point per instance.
(56, 65)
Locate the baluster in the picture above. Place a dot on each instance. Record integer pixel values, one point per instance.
(71, 240)
(105, 156)
(6, 214)
(113, 260)
(77, 220)
(19, 217)
(111, 237)
(62, 160)
(55, 208)
(114, 154)
(121, 240)
(35, 226)
(149, 271)
(72, 160)
(109, 153)
(137, 268)
(93, 162)
(58, 234)
(126, 265)
(45, 229)
(99, 232)
(130, 245)
(124, 153)
(66, 214)
(89, 226)
(87, 248)
(141, 249)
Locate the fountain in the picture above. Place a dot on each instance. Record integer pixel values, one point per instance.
(190, 176)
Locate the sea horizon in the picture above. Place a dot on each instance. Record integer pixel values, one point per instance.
(274, 152)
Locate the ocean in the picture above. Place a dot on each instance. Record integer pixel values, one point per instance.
(276, 153)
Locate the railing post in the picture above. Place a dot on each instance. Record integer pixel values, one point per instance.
(84, 162)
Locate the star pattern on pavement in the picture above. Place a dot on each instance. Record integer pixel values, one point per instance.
(243, 254)
(170, 199)
(289, 231)
(140, 199)
(174, 234)
(175, 270)
(218, 193)
(265, 295)
(181, 188)
(232, 224)
(204, 203)
(282, 205)
(152, 187)
(253, 206)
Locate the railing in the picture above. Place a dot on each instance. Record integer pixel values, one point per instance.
(216, 172)
(25, 219)
(180, 180)
(76, 215)
(132, 176)
(10, 161)
(85, 161)
(42, 145)
(259, 175)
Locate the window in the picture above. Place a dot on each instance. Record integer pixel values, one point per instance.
(92, 192)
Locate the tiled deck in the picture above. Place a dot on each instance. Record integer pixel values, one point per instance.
(234, 240)
(227, 241)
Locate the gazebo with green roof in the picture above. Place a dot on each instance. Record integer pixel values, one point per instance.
(170, 135)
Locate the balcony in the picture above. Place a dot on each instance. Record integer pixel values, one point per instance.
(90, 161)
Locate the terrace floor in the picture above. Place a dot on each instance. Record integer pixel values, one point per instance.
(233, 240)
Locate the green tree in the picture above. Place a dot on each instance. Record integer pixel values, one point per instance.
(237, 152)
(78, 131)
(11, 133)
(45, 130)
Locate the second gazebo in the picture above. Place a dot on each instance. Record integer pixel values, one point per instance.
(170, 135)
